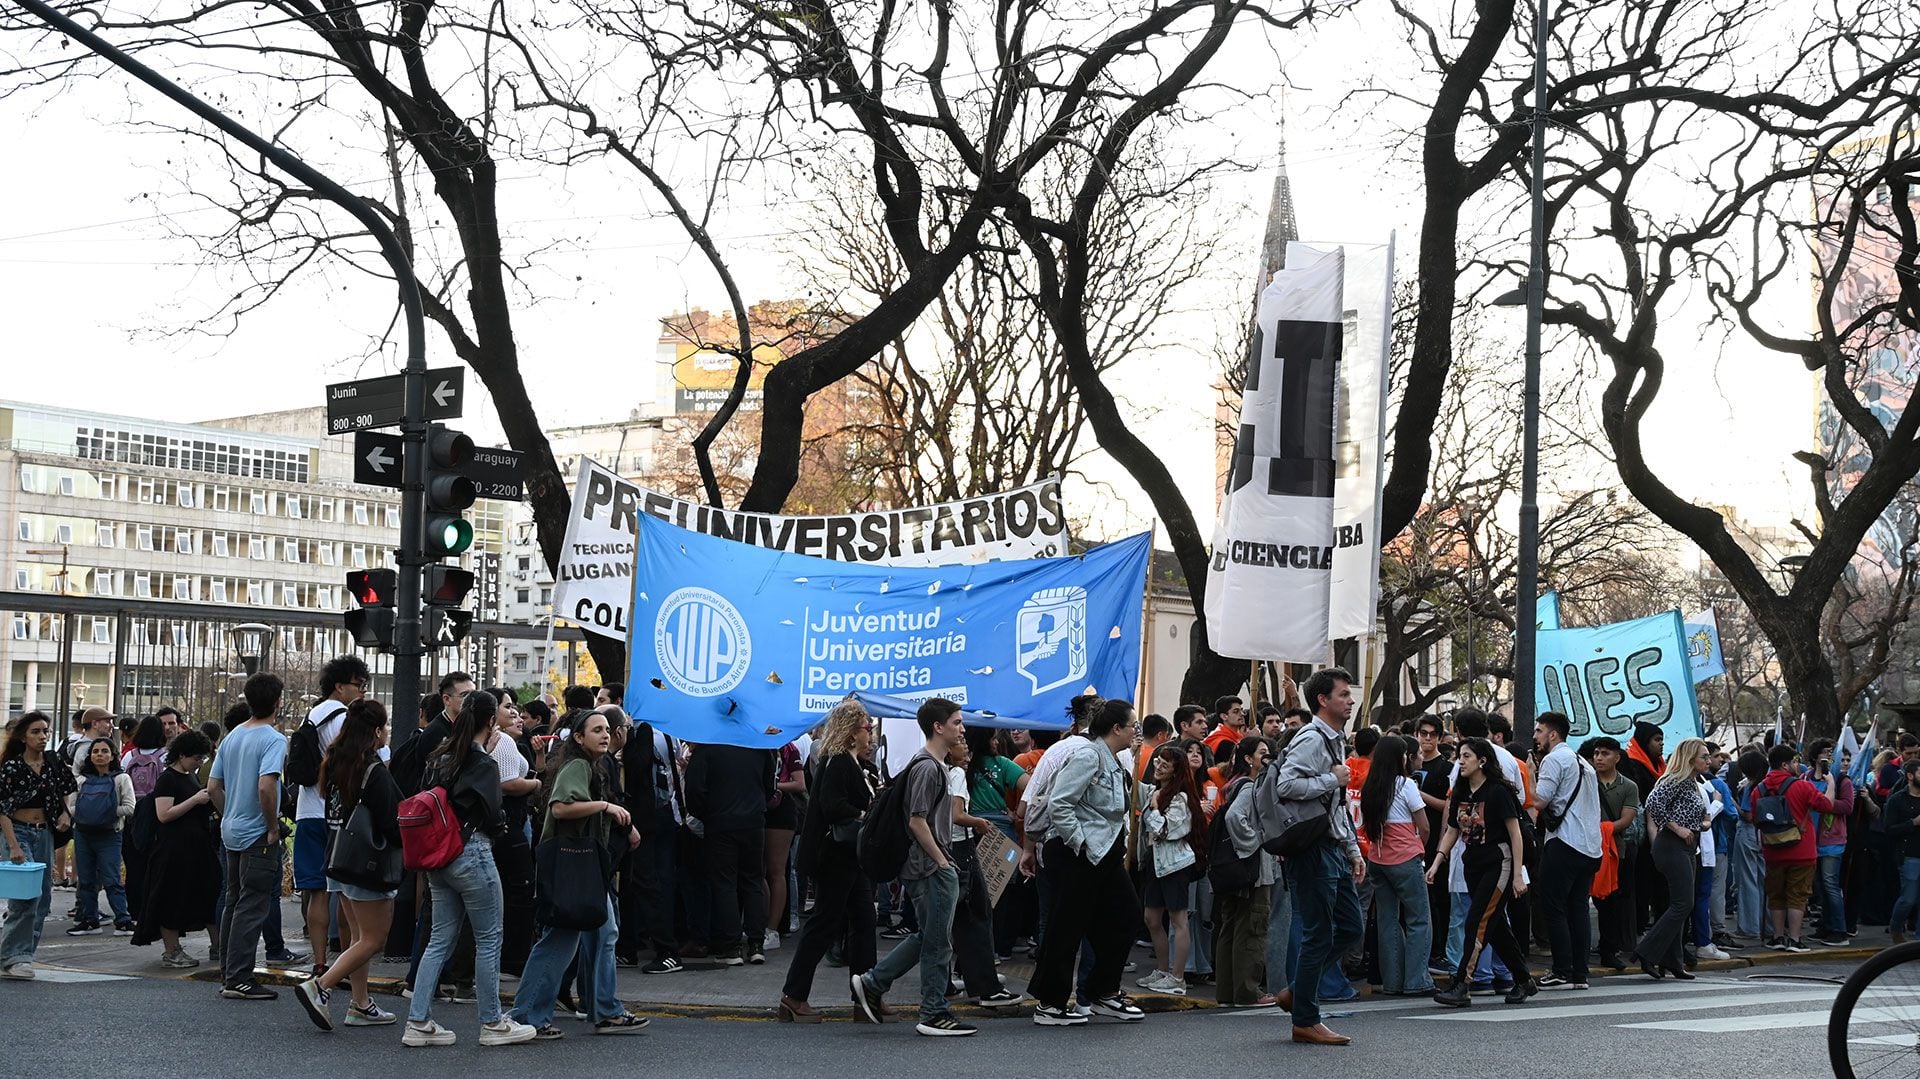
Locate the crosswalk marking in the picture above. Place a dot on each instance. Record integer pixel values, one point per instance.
(1607, 990)
(1530, 1013)
(1782, 1020)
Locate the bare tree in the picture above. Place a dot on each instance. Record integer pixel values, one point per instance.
(1756, 130)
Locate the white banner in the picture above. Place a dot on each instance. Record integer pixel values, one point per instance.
(1362, 418)
(1268, 584)
(595, 580)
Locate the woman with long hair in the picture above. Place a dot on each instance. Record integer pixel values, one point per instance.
(1240, 919)
(783, 820)
(994, 787)
(466, 889)
(1485, 812)
(829, 836)
(183, 868)
(1676, 812)
(1393, 817)
(580, 803)
(351, 776)
(101, 804)
(1175, 827)
(34, 785)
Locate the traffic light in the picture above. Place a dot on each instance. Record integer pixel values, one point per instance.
(446, 586)
(374, 590)
(448, 493)
(444, 627)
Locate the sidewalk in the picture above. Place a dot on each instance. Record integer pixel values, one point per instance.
(744, 992)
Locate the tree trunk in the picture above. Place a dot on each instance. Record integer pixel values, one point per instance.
(1809, 674)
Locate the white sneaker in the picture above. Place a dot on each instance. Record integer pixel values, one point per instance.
(1152, 980)
(428, 1033)
(1713, 951)
(19, 972)
(1172, 987)
(504, 1031)
(770, 941)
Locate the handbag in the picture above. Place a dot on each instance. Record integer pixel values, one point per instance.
(359, 854)
(846, 831)
(570, 884)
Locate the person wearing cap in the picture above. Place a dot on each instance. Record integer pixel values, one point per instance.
(90, 726)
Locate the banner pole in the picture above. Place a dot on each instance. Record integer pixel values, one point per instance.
(1146, 626)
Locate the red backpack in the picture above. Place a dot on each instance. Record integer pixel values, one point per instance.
(429, 832)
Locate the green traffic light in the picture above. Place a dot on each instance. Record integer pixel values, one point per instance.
(448, 536)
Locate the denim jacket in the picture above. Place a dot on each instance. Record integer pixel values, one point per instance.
(1088, 803)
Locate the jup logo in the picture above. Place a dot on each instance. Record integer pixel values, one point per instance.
(701, 642)
(1050, 637)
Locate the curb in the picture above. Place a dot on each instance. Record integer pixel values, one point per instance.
(1152, 1003)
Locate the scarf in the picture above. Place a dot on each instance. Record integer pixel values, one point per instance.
(1635, 751)
(1606, 879)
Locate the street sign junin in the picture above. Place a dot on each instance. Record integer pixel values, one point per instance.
(380, 402)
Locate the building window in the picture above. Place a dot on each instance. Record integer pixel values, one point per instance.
(520, 662)
(63, 533)
(525, 565)
(524, 595)
(183, 541)
(102, 631)
(291, 548)
(546, 597)
(217, 589)
(26, 480)
(140, 632)
(19, 580)
(220, 544)
(20, 629)
(293, 507)
(106, 533)
(26, 529)
(326, 554)
(66, 486)
(186, 495)
(393, 516)
(290, 595)
(259, 549)
(360, 558)
(146, 491)
(144, 536)
(183, 588)
(359, 513)
(142, 586)
(222, 498)
(259, 504)
(103, 583)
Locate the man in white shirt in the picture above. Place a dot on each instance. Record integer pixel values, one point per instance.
(342, 681)
(1567, 805)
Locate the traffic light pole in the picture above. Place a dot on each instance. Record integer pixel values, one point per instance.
(407, 646)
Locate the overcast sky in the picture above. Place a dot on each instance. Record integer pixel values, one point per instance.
(97, 295)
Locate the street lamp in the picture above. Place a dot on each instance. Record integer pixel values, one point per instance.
(251, 642)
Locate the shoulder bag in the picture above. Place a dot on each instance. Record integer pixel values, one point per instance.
(360, 855)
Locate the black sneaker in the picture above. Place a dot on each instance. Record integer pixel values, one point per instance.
(1796, 944)
(895, 932)
(1833, 939)
(1520, 992)
(757, 957)
(866, 999)
(315, 1000)
(665, 965)
(1047, 1015)
(945, 1026)
(624, 1023)
(1776, 944)
(999, 999)
(1456, 997)
(1119, 1006)
(287, 959)
(1553, 981)
(248, 991)
(123, 929)
(86, 929)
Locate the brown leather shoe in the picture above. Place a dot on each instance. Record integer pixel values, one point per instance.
(1318, 1034)
(798, 1011)
(1284, 1000)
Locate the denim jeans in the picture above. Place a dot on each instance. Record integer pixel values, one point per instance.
(931, 946)
(96, 861)
(534, 1001)
(1334, 985)
(1405, 928)
(1749, 868)
(466, 890)
(1279, 937)
(1330, 922)
(253, 891)
(1199, 926)
(1456, 927)
(1903, 907)
(20, 935)
(1703, 906)
(1833, 901)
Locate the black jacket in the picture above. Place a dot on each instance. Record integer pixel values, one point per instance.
(728, 787)
(840, 794)
(475, 791)
(638, 763)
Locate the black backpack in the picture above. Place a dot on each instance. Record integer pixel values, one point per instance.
(1227, 871)
(884, 839)
(302, 767)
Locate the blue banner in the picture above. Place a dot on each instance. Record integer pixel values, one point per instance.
(1546, 611)
(1607, 678)
(738, 645)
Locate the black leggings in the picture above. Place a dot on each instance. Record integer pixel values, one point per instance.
(1487, 885)
(842, 908)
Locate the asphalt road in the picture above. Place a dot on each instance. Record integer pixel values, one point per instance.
(1720, 1025)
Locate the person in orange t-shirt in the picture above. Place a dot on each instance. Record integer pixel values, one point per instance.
(1232, 712)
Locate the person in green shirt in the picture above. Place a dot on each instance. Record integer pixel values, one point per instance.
(579, 802)
(994, 782)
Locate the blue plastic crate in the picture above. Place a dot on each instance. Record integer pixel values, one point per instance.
(23, 881)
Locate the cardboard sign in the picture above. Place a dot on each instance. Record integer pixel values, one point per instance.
(999, 861)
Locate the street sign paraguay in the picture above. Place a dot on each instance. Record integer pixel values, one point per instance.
(497, 473)
(381, 402)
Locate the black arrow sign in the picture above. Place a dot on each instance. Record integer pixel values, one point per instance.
(381, 402)
(376, 459)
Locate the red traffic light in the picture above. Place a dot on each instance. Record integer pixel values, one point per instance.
(446, 586)
(373, 587)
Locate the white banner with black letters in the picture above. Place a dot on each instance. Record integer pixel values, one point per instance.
(595, 579)
(1361, 420)
(1268, 583)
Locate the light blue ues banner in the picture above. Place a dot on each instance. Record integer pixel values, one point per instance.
(733, 644)
(1607, 678)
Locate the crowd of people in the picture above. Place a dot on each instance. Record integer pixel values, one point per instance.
(557, 842)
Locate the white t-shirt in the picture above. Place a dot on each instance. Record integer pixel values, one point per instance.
(957, 787)
(1406, 802)
(507, 756)
(327, 716)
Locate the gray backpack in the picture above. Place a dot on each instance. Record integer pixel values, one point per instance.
(1289, 827)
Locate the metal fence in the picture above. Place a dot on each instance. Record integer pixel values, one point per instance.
(157, 652)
